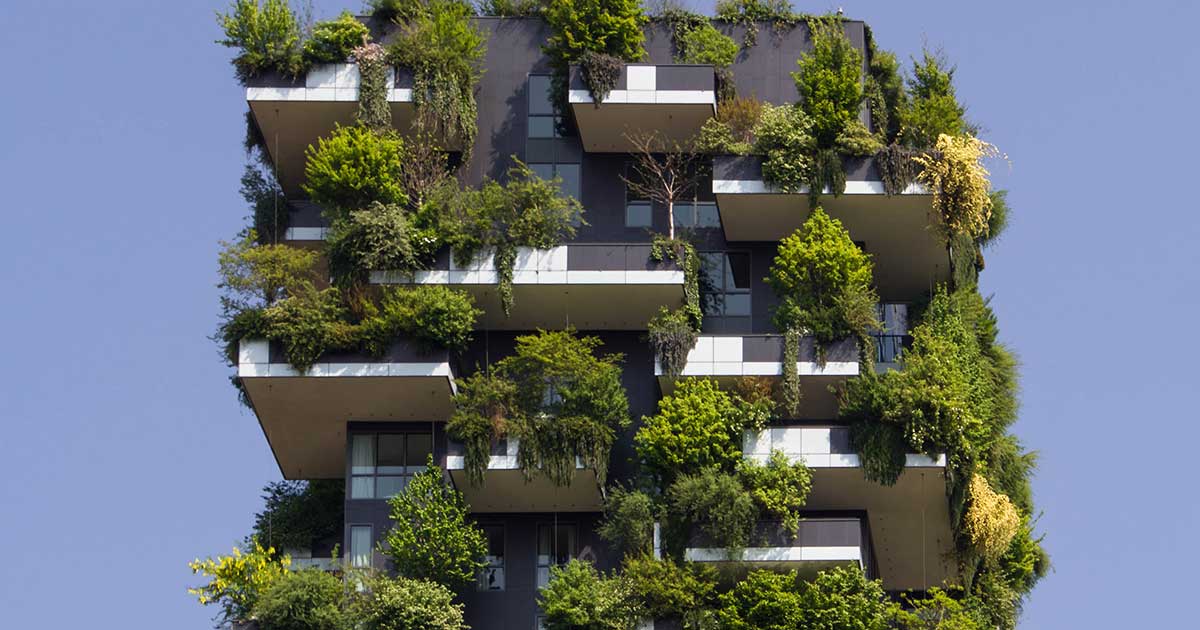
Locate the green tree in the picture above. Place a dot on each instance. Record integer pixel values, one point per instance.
(830, 80)
(628, 521)
(298, 513)
(404, 604)
(780, 487)
(666, 590)
(696, 427)
(844, 599)
(303, 600)
(764, 600)
(579, 597)
(612, 27)
(932, 109)
(432, 537)
(267, 35)
(333, 40)
(354, 167)
(712, 506)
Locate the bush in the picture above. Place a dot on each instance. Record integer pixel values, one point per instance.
(601, 72)
(696, 428)
(666, 590)
(782, 136)
(962, 203)
(704, 44)
(397, 10)
(932, 110)
(764, 600)
(238, 580)
(991, 520)
(829, 80)
(511, 8)
(353, 168)
(296, 514)
(308, 326)
(579, 597)
(780, 487)
(404, 604)
(712, 505)
(672, 337)
(611, 27)
(333, 40)
(256, 276)
(304, 600)
(748, 12)
(843, 597)
(374, 238)
(628, 521)
(432, 537)
(434, 316)
(267, 35)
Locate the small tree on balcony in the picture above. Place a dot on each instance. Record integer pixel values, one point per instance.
(664, 171)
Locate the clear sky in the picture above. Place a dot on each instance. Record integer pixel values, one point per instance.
(124, 453)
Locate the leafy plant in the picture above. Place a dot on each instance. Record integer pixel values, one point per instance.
(403, 604)
(374, 109)
(303, 600)
(829, 80)
(666, 590)
(432, 537)
(332, 41)
(962, 203)
(434, 316)
(683, 254)
(377, 237)
(932, 109)
(237, 581)
(578, 597)
(704, 44)
(697, 427)
(838, 598)
(267, 36)
(628, 521)
(296, 514)
(672, 336)
(780, 487)
(353, 168)
(712, 505)
(601, 72)
(783, 137)
(991, 520)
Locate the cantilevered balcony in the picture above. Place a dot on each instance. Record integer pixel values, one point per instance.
(304, 416)
(909, 258)
(910, 530)
(505, 488)
(294, 113)
(821, 543)
(672, 101)
(588, 286)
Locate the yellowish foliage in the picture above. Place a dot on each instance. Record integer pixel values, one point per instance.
(955, 175)
(991, 520)
(237, 580)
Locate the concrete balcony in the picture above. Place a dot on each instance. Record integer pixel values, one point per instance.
(670, 100)
(304, 416)
(588, 286)
(911, 534)
(908, 256)
(294, 113)
(505, 488)
(821, 543)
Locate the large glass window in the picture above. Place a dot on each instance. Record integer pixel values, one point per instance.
(543, 121)
(697, 214)
(360, 546)
(382, 464)
(725, 284)
(570, 174)
(491, 578)
(556, 547)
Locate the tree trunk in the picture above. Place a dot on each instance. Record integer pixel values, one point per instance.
(671, 219)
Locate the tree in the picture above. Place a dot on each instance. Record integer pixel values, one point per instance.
(238, 580)
(303, 600)
(628, 521)
(404, 604)
(713, 506)
(298, 513)
(780, 487)
(354, 167)
(697, 427)
(664, 171)
(933, 109)
(579, 597)
(432, 537)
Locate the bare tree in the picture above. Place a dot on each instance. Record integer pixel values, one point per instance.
(664, 171)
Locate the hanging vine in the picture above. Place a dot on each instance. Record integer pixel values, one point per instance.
(374, 111)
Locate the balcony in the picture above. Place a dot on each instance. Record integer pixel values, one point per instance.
(910, 532)
(821, 543)
(908, 256)
(729, 358)
(588, 286)
(505, 489)
(672, 101)
(293, 114)
(304, 416)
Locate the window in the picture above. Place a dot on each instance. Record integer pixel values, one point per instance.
(360, 546)
(382, 464)
(491, 578)
(556, 547)
(568, 172)
(638, 214)
(543, 121)
(697, 214)
(725, 284)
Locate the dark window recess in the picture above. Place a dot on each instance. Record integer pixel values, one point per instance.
(381, 465)
(725, 284)
(544, 120)
(570, 174)
(491, 578)
(697, 214)
(556, 547)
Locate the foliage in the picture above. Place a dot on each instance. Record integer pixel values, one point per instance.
(732, 131)
(601, 72)
(962, 204)
(716, 138)
(704, 44)
(296, 514)
(611, 27)
(396, 10)
(353, 168)
(269, 209)
(998, 220)
(404, 604)
(932, 109)
(579, 597)
(374, 109)
(829, 80)
(764, 600)
(881, 446)
(511, 8)
(267, 35)
(303, 600)
(897, 168)
(748, 12)
(855, 141)
(793, 395)
(941, 611)
(991, 521)
(432, 537)
(374, 238)
(628, 521)
(672, 337)
(561, 401)
(308, 326)
(884, 91)
(783, 137)
(697, 427)
(1024, 562)
(838, 599)
(823, 281)
(332, 41)
(713, 506)
(683, 254)
(433, 316)
(256, 276)
(237, 581)
(666, 590)
(780, 487)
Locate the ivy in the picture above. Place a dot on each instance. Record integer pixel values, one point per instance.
(601, 72)
(792, 394)
(374, 110)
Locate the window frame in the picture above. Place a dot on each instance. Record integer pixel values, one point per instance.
(724, 290)
(571, 553)
(502, 565)
(407, 470)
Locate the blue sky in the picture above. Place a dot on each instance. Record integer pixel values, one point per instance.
(125, 453)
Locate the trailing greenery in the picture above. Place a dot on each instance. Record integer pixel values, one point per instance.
(607, 27)
(780, 487)
(333, 41)
(932, 110)
(897, 168)
(432, 536)
(884, 91)
(628, 521)
(962, 203)
(303, 600)
(748, 12)
(555, 395)
(672, 335)
(991, 521)
(684, 254)
(511, 8)
(697, 427)
(404, 604)
(667, 590)
(433, 316)
(237, 581)
(267, 35)
(579, 597)
(713, 506)
(601, 72)
(353, 168)
(374, 109)
(297, 514)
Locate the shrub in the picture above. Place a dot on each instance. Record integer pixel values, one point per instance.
(434, 316)
(397, 10)
(601, 72)
(404, 604)
(991, 520)
(256, 276)
(940, 611)
(856, 141)
(298, 513)
(932, 110)
(305, 600)
(612, 27)
(333, 40)
(579, 597)
(238, 580)
(884, 91)
(308, 326)
(672, 337)
(962, 204)
(764, 600)
(843, 597)
(267, 36)
(713, 506)
(829, 80)
(374, 238)
(782, 136)
(628, 521)
(697, 427)
(353, 168)
(704, 44)
(998, 219)
(780, 487)
(666, 590)
(511, 8)
(432, 537)
(268, 207)
(716, 138)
